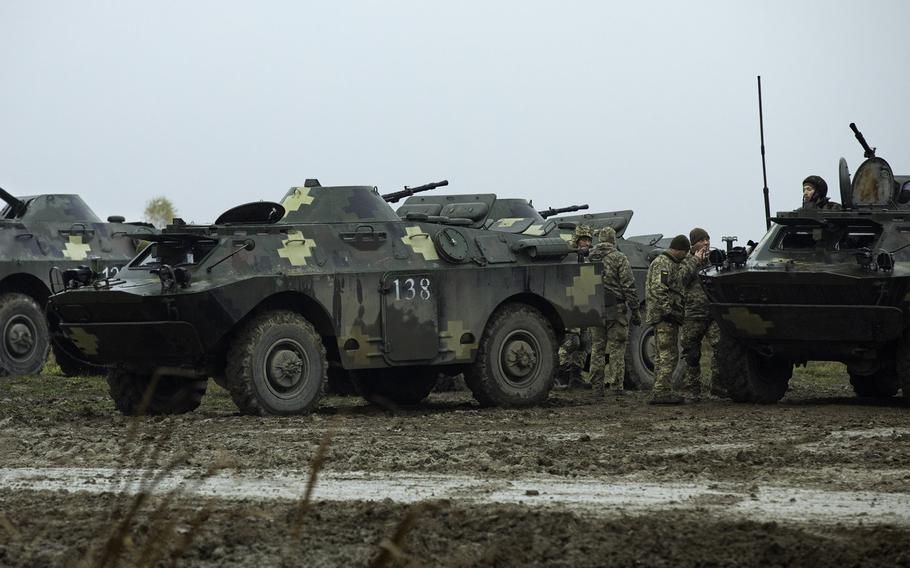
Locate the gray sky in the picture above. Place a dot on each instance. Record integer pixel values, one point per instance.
(650, 106)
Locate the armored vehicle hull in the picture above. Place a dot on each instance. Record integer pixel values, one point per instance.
(44, 235)
(268, 306)
(518, 216)
(823, 284)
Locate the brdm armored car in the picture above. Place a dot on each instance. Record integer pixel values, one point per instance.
(42, 236)
(823, 284)
(271, 295)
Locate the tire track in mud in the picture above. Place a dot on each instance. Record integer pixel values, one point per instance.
(591, 496)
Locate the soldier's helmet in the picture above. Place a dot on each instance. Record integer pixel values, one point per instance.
(607, 235)
(821, 187)
(582, 231)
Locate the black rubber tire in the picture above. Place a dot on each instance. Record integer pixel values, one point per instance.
(254, 388)
(750, 377)
(72, 367)
(640, 357)
(399, 386)
(172, 395)
(24, 336)
(523, 328)
(883, 383)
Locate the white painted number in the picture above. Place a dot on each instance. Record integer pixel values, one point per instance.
(407, 289)
(110, 272)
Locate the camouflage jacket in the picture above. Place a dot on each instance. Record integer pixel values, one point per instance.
(823, 205)
(696, 302)
(617, 278)
(664, 291)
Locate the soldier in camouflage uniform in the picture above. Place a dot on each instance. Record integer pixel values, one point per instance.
(608, 343)
(574, 350)
(664, 295)
(698, 323)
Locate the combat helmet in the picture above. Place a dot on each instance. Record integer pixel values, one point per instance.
(583, 231)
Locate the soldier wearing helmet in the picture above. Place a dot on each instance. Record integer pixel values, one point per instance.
(815, 195)
(608, 343)
(573, 352)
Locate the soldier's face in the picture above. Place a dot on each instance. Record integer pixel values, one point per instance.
(808, 193)
(704, 243)
(584, 242)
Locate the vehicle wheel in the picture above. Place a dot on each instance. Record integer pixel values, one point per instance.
(883, 383)
(516, 359)
(404, 386)
(25, 337)
(171, 395)
(277, 365)
(750, 377)
(72, 367)
(640, 357)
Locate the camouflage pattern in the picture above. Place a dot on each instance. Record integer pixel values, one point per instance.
(664, 292)
(691, 336)
(822, 285)
(608, 361)
(573, 355)
(666, 356)
(380, 291)
(39, 234)
(696, 301)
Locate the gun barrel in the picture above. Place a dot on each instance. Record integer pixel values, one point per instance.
(17, 204)
(409, 191)
(867, 151)
(556, 211)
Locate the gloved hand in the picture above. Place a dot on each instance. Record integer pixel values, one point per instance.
(635, 318)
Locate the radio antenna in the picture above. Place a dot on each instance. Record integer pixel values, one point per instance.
(764, 173)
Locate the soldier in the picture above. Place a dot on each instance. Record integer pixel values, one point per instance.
(698, 323)
(608, 343)
(815, 195)
(664, 298)
(573, 351)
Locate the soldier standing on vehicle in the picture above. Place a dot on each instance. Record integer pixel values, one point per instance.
(664, 298)
(573, 352)
(815, 195)
(698, 323)
(608, 343)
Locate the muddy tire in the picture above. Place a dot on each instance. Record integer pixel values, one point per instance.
(171, 395)
(72, 367)
(277, 365)
(882, 384)
(640, 357)
(399, 386)
(24, 337)
(750, 377)
(516, 359)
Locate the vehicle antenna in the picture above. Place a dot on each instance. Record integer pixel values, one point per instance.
(764, 173)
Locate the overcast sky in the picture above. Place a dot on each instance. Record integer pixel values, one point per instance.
(650, 106)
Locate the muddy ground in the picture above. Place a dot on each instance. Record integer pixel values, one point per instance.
(821, 478)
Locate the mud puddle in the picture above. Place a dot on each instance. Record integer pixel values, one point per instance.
(779, 503)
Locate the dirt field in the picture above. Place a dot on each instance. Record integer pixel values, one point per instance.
(822, 478)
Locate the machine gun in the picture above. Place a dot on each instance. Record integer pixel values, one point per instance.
(409, 191)
(17, 205)
(867, 151)
(550, 212)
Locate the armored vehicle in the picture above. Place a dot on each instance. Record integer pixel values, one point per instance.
(269, 295)
(823, 284)
(519, 217)
(40, 234)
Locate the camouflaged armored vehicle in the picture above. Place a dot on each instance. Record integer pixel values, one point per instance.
(519, 217)
(269, 296)
(822, 285)
(43, 234)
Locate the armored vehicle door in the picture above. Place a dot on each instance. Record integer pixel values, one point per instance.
(410, 323)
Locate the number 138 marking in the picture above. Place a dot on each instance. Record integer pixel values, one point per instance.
(410, 289)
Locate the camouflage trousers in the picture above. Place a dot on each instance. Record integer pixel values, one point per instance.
(691, 336)
(573, 353)
(608, 354)
(666, 355)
